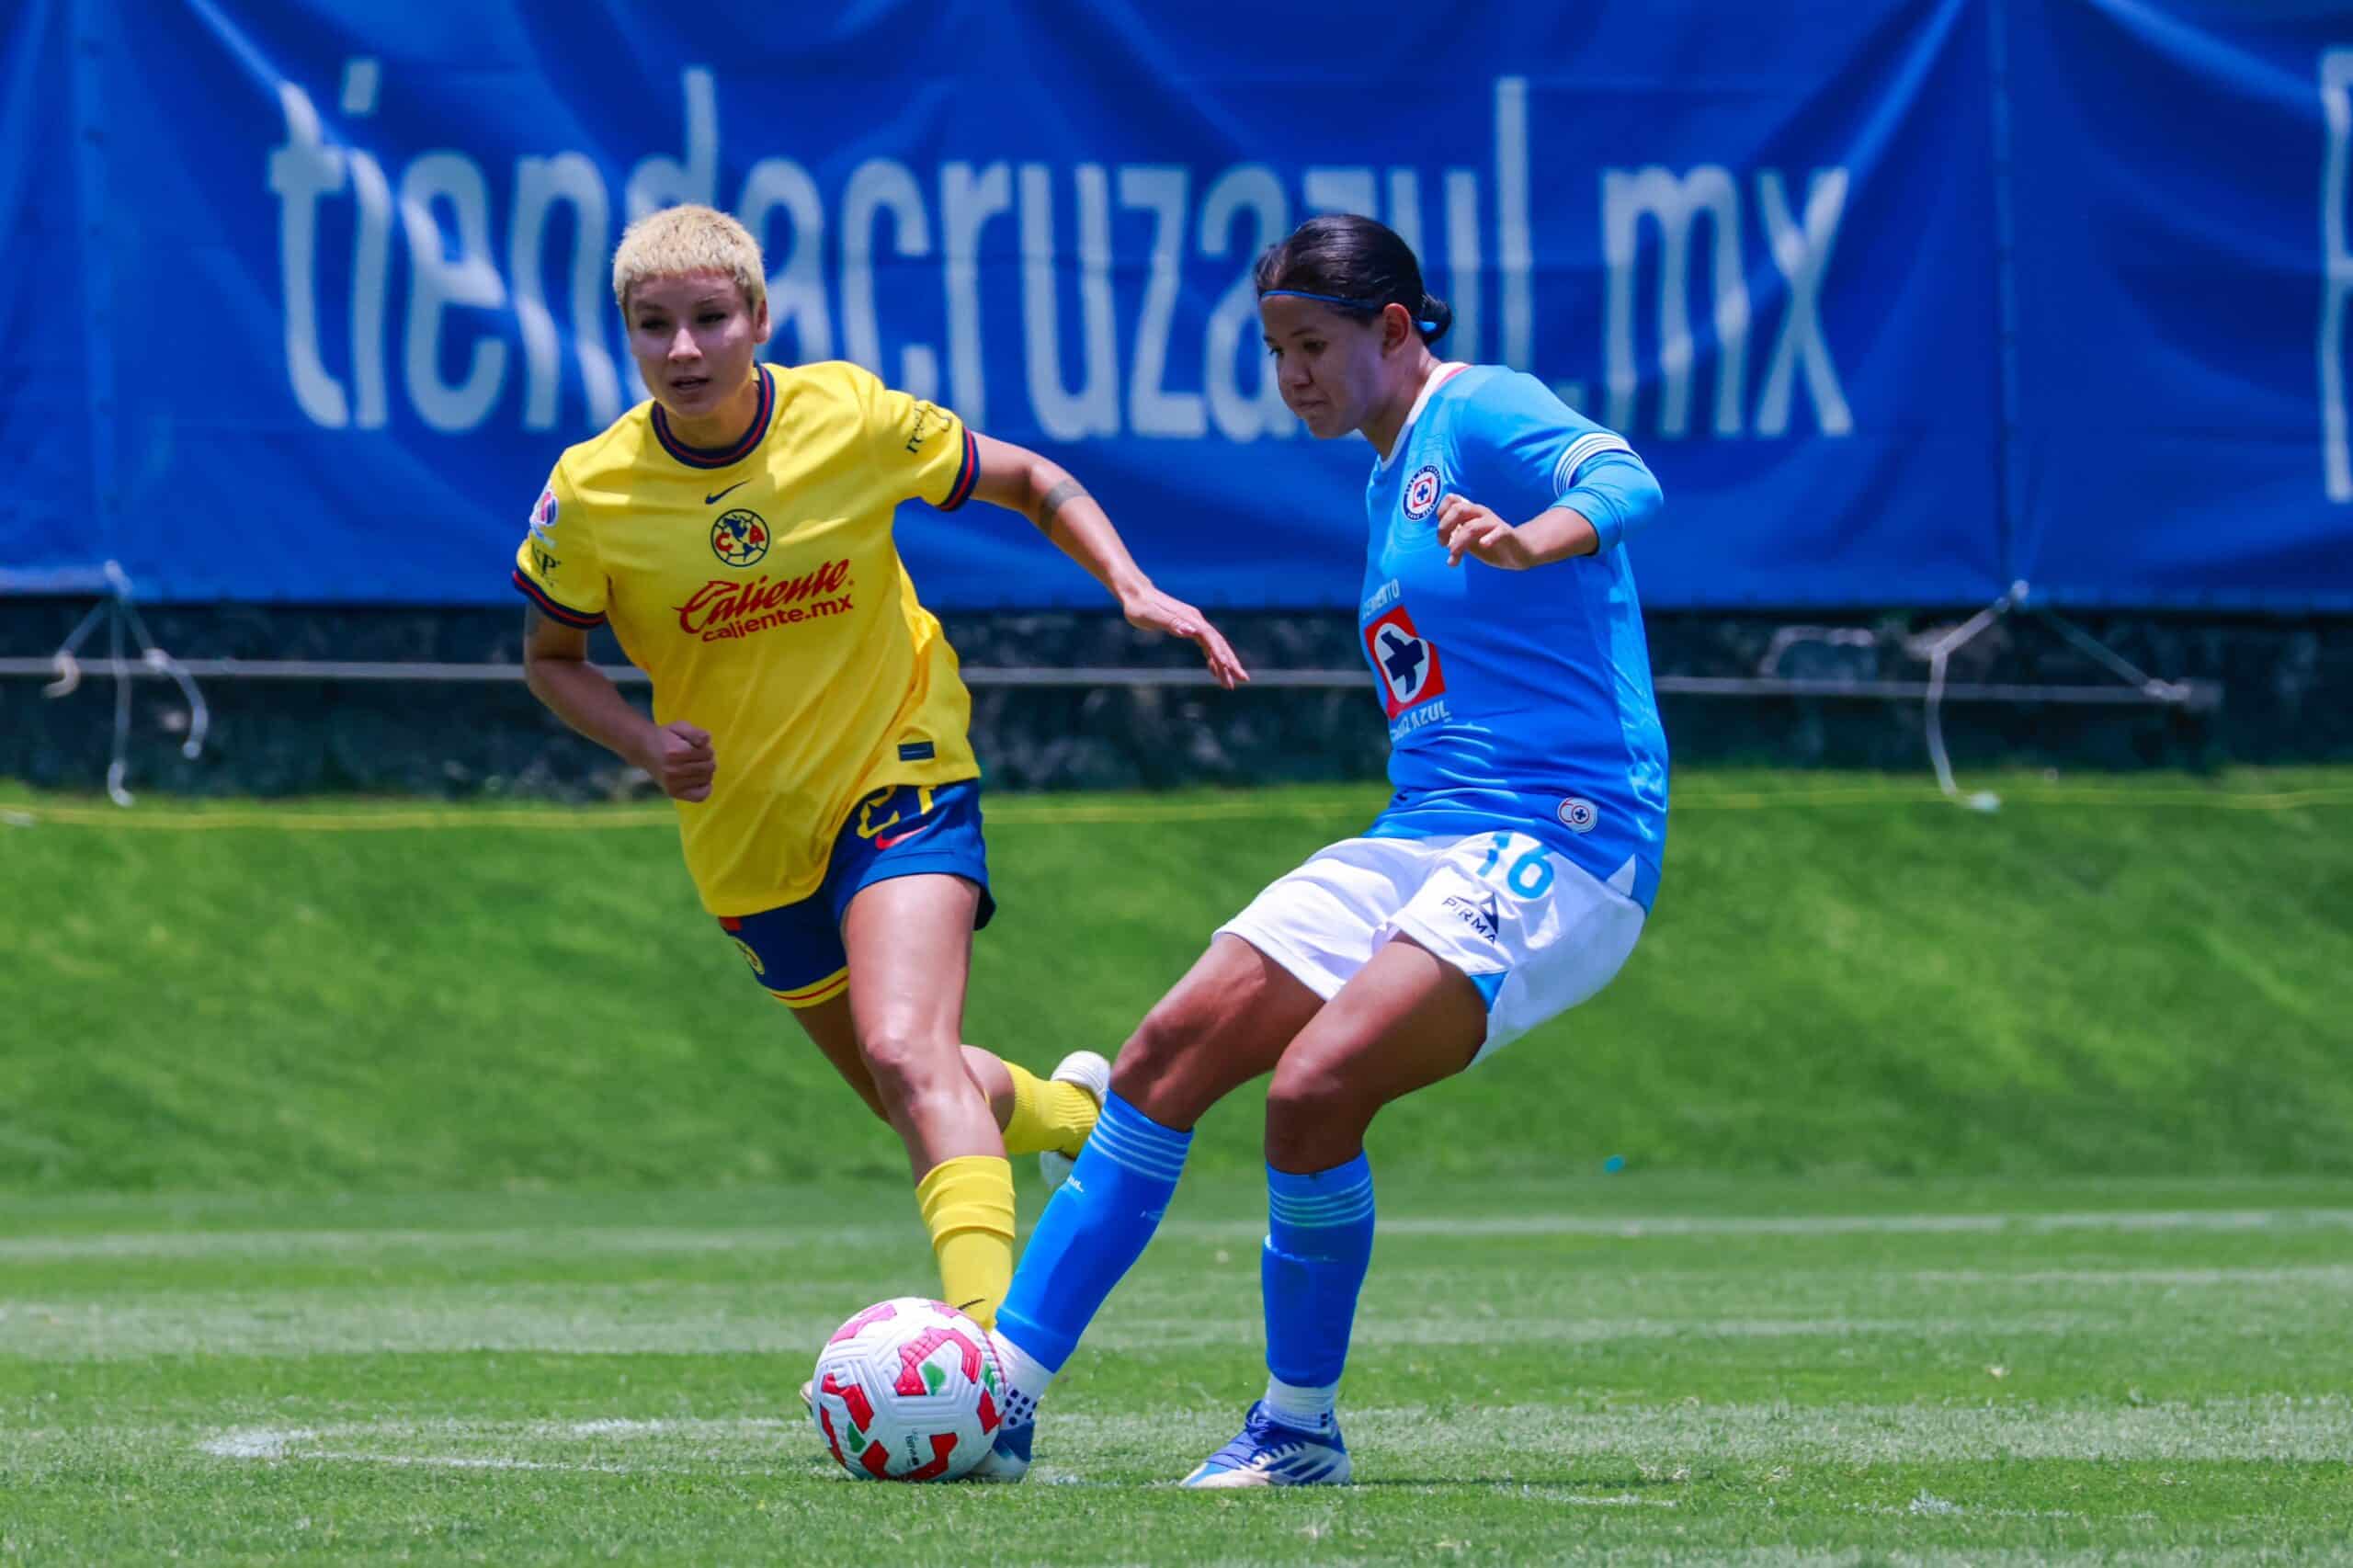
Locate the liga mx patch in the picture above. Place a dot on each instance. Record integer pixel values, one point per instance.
(915, 751)
(1421, 493)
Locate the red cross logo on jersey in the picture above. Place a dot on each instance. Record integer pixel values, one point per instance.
(1406, 661)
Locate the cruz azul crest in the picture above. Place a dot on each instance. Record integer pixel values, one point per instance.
(1421, 493)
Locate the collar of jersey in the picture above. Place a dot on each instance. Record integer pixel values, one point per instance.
(721, 457)
(1448, 370)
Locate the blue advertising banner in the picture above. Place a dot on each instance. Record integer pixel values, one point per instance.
(55, 524)
(2181, 200)
(319, 289)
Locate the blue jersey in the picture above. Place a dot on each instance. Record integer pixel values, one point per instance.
(1515, 699)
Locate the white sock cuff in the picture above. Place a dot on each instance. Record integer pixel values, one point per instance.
(1311, 1409)
(1025, 1376)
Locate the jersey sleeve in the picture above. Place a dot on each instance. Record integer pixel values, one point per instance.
(1533, 452)
(556, 566)
(925, 450)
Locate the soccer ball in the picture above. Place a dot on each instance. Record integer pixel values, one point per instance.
(908, 1389)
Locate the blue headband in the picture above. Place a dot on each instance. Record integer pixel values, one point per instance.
(1373, 305)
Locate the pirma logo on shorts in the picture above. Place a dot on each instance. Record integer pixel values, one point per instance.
(1480, 916)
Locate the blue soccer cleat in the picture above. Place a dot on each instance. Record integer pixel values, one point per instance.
(1008, 1459)
(1008, 1456)
(1268, 1453)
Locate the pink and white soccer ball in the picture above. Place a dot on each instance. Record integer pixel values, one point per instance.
(908, 1389)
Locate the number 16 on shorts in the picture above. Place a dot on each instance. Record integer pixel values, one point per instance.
(1522, 865)
(1560, 934)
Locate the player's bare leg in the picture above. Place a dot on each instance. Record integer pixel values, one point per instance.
(1406, 1020)
(830, 1027)
(1225, 1023)
(910, 946)
(1049, 1117)
(909, 941)
(829, 1024)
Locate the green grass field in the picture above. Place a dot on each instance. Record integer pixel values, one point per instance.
(1585, 1370)
(427, 1183)
(1843, 975)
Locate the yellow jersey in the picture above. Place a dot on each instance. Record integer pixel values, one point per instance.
(760, 589)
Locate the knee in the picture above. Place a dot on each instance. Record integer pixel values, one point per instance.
(1315, 1119)
(1305, 1093)
(907, 1069)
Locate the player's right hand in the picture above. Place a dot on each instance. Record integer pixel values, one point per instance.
(1149, 609)
(682, 762)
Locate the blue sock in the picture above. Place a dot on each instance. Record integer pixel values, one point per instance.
(1092, 1231)
(1319, 1244)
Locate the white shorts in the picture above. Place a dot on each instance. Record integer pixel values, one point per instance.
(1536, 933)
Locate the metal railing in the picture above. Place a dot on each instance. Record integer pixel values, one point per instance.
(65, 670)
(2195, 695)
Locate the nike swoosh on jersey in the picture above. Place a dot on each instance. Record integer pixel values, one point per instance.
(897, 839)
(713, 500)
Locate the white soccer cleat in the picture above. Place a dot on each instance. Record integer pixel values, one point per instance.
(1090, 1072)
(809, 1395)
(1268, 1453)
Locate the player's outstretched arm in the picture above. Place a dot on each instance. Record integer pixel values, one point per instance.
(1465, 527)
(1020, 481)
(1614, 497)
(556, 668)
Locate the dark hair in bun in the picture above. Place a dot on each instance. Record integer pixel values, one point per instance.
(1355, 266)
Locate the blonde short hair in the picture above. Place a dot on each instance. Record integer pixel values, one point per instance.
(685, 239)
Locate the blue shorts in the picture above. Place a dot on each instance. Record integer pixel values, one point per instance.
(906, 830)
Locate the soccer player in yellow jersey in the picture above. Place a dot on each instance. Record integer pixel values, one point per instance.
(736, 532)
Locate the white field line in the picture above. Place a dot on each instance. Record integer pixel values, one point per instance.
(1410, 1440)
(269, 1444)
(257, 1442)
(576, 1241)
(2310, 1428)
(397, 1444)
(1155, 1334)
(283, 1447)
(789, 1318)
(1927, 1505)
(2192, 1219)
(458, 1461)
(1623, 1500)
(288, 1324)
(2297, 1554)
(2337, 1274)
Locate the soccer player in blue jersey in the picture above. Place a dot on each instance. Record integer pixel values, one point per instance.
(1505, 882)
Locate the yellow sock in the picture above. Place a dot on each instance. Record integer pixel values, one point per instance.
(967, 1204)
(1047, 1115)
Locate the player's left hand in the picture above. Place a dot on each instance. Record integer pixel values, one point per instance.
(1151, 610)
(1465, 527)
